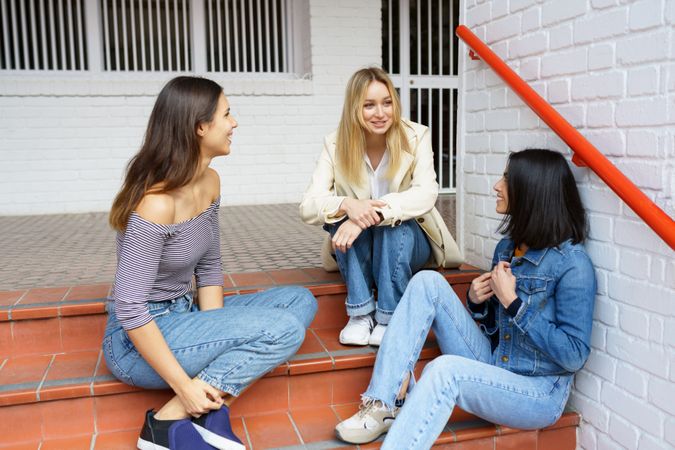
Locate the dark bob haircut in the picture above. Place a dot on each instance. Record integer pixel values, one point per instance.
(544, 207)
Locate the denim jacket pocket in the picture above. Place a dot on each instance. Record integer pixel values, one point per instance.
(533, 292)
(531, 286)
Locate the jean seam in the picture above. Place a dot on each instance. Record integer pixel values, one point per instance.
(531, 394)
(432, 412)
(394, 275)
(455, 322)
(108, 348)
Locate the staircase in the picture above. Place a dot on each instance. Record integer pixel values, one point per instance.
(56, 392)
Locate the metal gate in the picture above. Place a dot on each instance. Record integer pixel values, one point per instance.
(419, 50)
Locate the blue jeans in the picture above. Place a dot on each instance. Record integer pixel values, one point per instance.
(228, 347)
(465, 375)
(386, 257)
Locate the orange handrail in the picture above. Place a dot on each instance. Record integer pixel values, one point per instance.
(583, 150)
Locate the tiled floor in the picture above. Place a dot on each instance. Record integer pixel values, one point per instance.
(79, 249)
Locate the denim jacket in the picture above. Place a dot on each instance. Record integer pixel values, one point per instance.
(551, 332)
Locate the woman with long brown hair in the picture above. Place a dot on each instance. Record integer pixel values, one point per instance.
(157, 337)
(374, 189)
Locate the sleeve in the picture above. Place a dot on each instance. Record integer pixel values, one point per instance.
(486, 312)
(319, 203)
(137, 264)
(567, 340)
(209, 269)
(421, 196)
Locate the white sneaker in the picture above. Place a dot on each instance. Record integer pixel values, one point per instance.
(372, 420)
(377, 335)
(357, 331)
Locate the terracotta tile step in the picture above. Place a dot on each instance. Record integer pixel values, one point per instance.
(80, 332)
(76, 374)
(89, 299)
(293, 429)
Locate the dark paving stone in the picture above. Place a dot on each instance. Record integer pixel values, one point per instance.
(74, 249)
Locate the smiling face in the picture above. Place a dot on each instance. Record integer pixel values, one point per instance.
(378, 108)
(501, 189)
(216, 136)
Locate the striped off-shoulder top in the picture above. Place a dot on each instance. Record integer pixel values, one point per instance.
(156, 263)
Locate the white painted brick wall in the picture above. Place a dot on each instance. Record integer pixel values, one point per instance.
(66, 140)
(608, 66)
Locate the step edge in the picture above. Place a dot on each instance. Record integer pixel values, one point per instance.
(108, 385)
(93, 306)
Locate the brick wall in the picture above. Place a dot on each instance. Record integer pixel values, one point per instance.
(66, 138)
(608, 66)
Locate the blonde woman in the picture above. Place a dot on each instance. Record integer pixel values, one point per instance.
(374, 189)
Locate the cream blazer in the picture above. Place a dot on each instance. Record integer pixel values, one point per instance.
(412, 194)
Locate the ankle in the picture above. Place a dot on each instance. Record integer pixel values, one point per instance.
(170, 413)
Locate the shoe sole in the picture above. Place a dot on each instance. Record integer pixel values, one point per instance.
(142, 444)
(359, 343)
(356, 440)
(353, 342)
(216, 440)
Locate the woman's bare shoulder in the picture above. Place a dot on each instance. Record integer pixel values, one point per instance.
(158, 208)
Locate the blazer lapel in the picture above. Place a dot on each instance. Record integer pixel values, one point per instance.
(361, 192)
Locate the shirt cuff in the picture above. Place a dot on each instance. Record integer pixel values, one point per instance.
(514, 307)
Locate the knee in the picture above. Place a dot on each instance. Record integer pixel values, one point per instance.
(443, 369)
(304, 303)
(294, 333)
(286, 332)
(426, 278)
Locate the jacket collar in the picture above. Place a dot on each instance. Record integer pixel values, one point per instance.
(406, 158)
(532, 255)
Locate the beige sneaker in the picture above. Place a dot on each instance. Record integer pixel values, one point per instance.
(372, 420)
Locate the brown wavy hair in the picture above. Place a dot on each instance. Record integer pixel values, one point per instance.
(169, 156)
(351, 139)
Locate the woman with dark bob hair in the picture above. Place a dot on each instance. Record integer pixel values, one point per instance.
(157, 337)
(534, 312)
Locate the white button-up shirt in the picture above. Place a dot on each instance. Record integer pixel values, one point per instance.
(379, 184)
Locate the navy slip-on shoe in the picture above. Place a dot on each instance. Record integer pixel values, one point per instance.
(169, 435)
(155, 433)
(184, 436)
(215, 428)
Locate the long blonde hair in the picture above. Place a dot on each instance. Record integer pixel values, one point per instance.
(351, 134)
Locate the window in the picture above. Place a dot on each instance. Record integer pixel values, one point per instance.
(251, 36)
(248, 36)
(42, 35)
(146, 35)
(423, 67)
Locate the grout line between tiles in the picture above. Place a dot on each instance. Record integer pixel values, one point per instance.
(93, 377)
(248, 437)
(295, 427)
(20, 298)
(44, 377)
(65, 296)
(332, 360)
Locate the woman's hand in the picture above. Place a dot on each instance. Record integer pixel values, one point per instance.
(345, 236)
(362, 212)
(199, 397)
(480, 289)
(503, 283)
